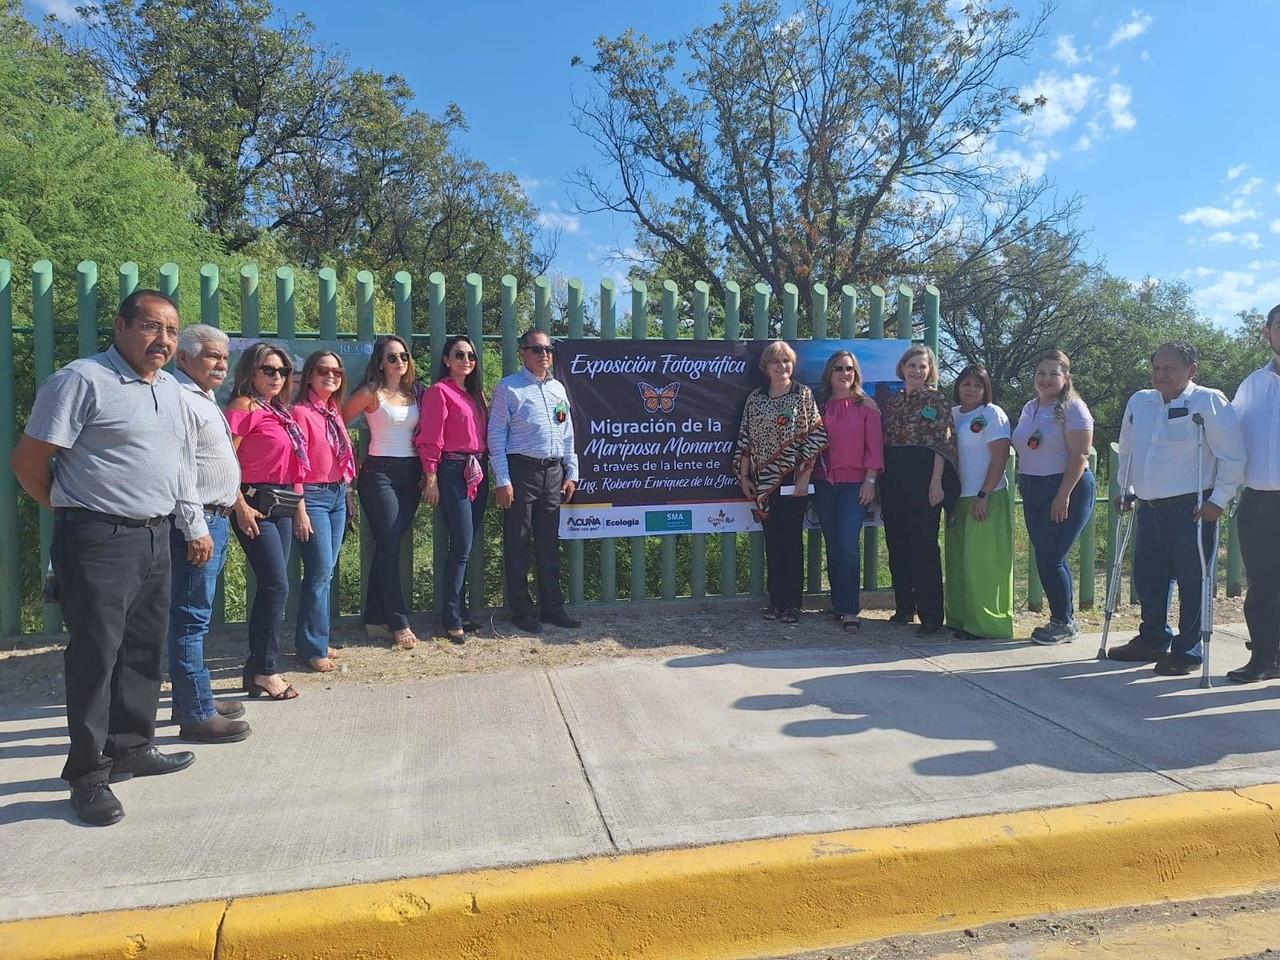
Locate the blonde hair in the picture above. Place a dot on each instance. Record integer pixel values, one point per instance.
(824, 385)
(920, 350)
(1068, 392)
(772, 351)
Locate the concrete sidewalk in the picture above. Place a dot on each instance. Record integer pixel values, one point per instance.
(371, 783)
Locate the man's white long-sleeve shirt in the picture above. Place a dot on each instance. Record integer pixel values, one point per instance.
(1161, 442)
(1257, 404)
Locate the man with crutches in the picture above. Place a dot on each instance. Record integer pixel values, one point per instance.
(1183, 452)
(1257, 404)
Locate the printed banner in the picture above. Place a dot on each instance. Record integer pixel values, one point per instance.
(655, 424)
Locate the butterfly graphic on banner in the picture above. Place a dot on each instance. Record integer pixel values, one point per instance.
(658, 398)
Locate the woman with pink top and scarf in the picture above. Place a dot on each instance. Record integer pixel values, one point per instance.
(325, 492)
(270, 510)
(845, 478)
(451, 443)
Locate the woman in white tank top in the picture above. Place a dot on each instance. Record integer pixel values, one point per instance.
(390, 480)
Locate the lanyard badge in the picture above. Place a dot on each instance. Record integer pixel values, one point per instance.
(561, 412)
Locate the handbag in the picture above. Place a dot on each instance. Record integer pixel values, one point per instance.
(274, 503)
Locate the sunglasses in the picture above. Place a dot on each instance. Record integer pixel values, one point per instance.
(842, 369)
(394, 357)
(328, 372)
(464, 355)
(539, 349)
(269, 371)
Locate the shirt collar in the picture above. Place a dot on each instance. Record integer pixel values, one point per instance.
(121, 366)
(1185, 395)
(531, 379)
(185, 381)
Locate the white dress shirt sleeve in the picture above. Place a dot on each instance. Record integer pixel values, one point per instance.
(1226, 443)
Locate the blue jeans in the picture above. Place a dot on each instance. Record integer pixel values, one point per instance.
(462, 518)
(190, 610)
(268, 555)
(1165, 552)
(327, 508)
(1053, 541)
(390, 489)
(841, 516)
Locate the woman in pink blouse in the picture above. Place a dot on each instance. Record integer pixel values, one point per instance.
(845, 478)
(270, 509)
(451, 445)
(325, 492)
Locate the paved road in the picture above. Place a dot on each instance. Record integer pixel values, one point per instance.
(371, 783)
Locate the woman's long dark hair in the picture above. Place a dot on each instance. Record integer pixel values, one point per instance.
(374, 376)
(248, 365)
(824, 386)
(474, 382)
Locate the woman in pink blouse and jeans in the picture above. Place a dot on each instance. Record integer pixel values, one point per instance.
(273, 457)
(451, 445)
(845, 478)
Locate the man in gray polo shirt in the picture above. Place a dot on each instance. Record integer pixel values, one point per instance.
(124, 447)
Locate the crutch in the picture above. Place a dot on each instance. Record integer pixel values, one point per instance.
(1126, 529)
(1208, 565)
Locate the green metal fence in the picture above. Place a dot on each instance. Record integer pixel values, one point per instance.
(696, 584)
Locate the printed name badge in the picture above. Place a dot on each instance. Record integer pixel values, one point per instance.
(929, 413)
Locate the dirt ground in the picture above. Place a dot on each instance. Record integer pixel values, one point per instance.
(31, 667)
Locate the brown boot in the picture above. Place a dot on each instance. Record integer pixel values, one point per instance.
(217, 729)
(231, 709)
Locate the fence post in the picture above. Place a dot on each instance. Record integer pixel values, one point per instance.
(667, 544)
(932, 317)
(87, 307)
(848, 309)
(574, 548)
(510, 360)
(639, 331)
(128, 279)
(169, 278)
(729, 541)
(286, 309)
(905, 305)
(608, 546)
(365, 334)
(209, 295)
(875, 324)
(818, 325)
(250, 303)
(818, 311)
(328, 295)
(790, 304)
(43, 335)
(1089, 546)
(10, 570)
(542, 304)
(698, 546)
(871, 535)
(759, 331)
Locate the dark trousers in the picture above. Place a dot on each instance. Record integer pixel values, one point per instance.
(390, 489)
(1052, 540)
(534, 512)
(114, 584)
(911, 533)
(462, 519)
(1166, 551)
(1259, 525)
(784, 550)
(268, 556)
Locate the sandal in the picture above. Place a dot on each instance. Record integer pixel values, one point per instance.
(789, 616)
(255, 690)
(769, 613)
(405, 639)
(850, 625)
(322, 665)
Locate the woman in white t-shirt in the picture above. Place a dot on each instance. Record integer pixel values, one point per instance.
(980, 544)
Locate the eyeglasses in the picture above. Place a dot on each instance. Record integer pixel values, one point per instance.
(152, 327)
(464, 355)
(539, 349)
(328, 372)
(393, 357)
(269, 371)
(842, 369)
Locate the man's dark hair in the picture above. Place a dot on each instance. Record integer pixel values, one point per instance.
(1273, 315)
(1184, 350)
(131, 306)
(529, 334)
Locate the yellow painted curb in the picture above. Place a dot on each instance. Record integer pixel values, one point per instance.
(740, 899)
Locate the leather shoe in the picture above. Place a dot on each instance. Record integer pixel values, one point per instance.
(1136, 650)
(527, 622)
(217, 729)
(231, 709)
(558, 618)
(1255, 670)
(96, 805)
(1177, 665)
(928, 629)
(149, 762)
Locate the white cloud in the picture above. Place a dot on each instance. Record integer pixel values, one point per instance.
(1249, 240)
(556, 219)
(1263, 264)
(1083, 142)
(1250, 186)
(1118, 99)
(1028, 166)
(1064, 98)
(1234, 290)
(1275, 226)
(529, 184)
(1219, 217)
(1064, 50)
(1239, 168)
(1144, 56)
(1137, 24)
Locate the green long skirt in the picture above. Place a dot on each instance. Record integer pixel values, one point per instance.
(979, 593)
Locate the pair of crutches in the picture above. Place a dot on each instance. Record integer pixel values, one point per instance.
(1208, 564)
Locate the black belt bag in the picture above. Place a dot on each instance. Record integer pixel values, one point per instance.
(274, 503)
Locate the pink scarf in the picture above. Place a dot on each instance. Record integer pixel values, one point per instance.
(336, 431)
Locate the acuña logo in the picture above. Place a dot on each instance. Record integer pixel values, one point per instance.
(720, 519)
(658, 398)
(582, 523)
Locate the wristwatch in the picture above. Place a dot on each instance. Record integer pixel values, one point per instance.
(982, 494)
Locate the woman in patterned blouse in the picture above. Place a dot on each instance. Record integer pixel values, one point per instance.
(919, 479)
(779, 438)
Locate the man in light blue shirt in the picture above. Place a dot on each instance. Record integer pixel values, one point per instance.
(535, 470)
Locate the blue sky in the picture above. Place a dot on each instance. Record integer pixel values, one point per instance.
(1160, 118)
